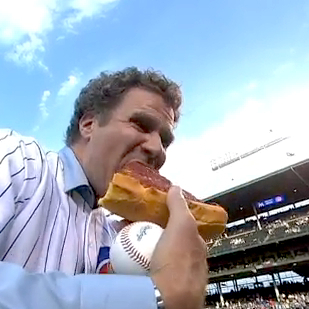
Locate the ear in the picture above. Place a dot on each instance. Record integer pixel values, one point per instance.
(86, 125)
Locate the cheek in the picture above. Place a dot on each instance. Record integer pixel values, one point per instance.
(132, 141)
(97, 152)
(123, 141)
(133, 136)
(118, 140)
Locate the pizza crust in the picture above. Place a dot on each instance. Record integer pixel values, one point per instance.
(128, 198)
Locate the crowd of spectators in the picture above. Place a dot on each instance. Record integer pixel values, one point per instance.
(263, 263)
(292, 296)
(270, 228)
(292, 301)
(276, 227)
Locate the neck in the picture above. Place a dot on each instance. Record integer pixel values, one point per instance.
(78, 150)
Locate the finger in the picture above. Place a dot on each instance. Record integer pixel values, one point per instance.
(175, 200)
(177, 205)
(119, 225)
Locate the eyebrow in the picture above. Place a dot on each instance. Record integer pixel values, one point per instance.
(154, 123)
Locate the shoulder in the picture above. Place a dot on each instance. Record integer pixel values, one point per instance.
(15, 142)
(22, 164)
(18, 151)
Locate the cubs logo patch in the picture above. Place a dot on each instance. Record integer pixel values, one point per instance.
(103, 263)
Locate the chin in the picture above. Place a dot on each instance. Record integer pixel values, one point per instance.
(105, 182)
(101, 187)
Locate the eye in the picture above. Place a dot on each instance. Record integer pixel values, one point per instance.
(143, 123)
(142, 126)
(146, 124)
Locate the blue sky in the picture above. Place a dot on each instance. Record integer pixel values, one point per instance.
(243, 66)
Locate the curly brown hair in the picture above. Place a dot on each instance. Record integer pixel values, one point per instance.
(103, 94)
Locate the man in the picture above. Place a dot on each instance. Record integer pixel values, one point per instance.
(52, 235)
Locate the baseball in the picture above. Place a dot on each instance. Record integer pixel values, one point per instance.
(133, 247)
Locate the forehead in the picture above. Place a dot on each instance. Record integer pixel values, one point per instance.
(141, 100)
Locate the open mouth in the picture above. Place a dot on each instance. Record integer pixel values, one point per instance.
(122, 165)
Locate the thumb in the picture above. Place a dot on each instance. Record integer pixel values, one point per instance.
(176, 203)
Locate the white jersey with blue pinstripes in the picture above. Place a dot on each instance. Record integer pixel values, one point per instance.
(43, 228)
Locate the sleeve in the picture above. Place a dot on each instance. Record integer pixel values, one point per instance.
(21, 166)
(21, 160)
(19, 289)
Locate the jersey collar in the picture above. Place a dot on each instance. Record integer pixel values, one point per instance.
(74, 176)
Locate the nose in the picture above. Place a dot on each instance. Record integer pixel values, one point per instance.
(154, 150)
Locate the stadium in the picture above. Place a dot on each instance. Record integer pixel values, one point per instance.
(262, 259)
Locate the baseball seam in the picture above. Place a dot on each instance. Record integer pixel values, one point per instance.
(132, 252)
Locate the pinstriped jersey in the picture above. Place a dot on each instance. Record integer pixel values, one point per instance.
(42, 227)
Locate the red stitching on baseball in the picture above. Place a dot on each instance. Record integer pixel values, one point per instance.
(131, 251)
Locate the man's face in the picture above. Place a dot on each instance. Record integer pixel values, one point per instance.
(140, 128)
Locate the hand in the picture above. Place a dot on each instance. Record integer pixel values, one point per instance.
(178, 267)
(119, 225)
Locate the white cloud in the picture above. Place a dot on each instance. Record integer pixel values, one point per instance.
(68, 85)
(42, 105)
(84, 8)
(255, 123)
(19, 18)
(45, 95)
(24, 25)
(43, 110)
(28, 52)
